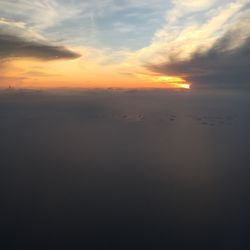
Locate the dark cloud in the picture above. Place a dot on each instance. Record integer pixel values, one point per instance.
(217, 66)
(12, 46)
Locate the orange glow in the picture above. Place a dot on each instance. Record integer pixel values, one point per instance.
(27, 73)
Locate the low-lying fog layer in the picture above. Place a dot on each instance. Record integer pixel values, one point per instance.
(125, 170)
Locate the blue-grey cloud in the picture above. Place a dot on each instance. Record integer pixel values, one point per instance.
(13, 47)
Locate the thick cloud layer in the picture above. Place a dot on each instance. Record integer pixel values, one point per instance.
(12, 46)
(124, 170)
(217, 66)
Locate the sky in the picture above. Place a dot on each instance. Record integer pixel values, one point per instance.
(124, 43)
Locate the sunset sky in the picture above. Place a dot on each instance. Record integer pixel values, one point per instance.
(125, 124)
(124, 43)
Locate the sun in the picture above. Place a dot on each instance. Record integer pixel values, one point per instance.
(185, 85)
(170, 82)
(174, 82)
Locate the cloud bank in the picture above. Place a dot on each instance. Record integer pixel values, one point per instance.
(206, 43)
(215, 67)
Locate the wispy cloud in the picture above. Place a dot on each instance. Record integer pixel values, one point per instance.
(22, 35)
